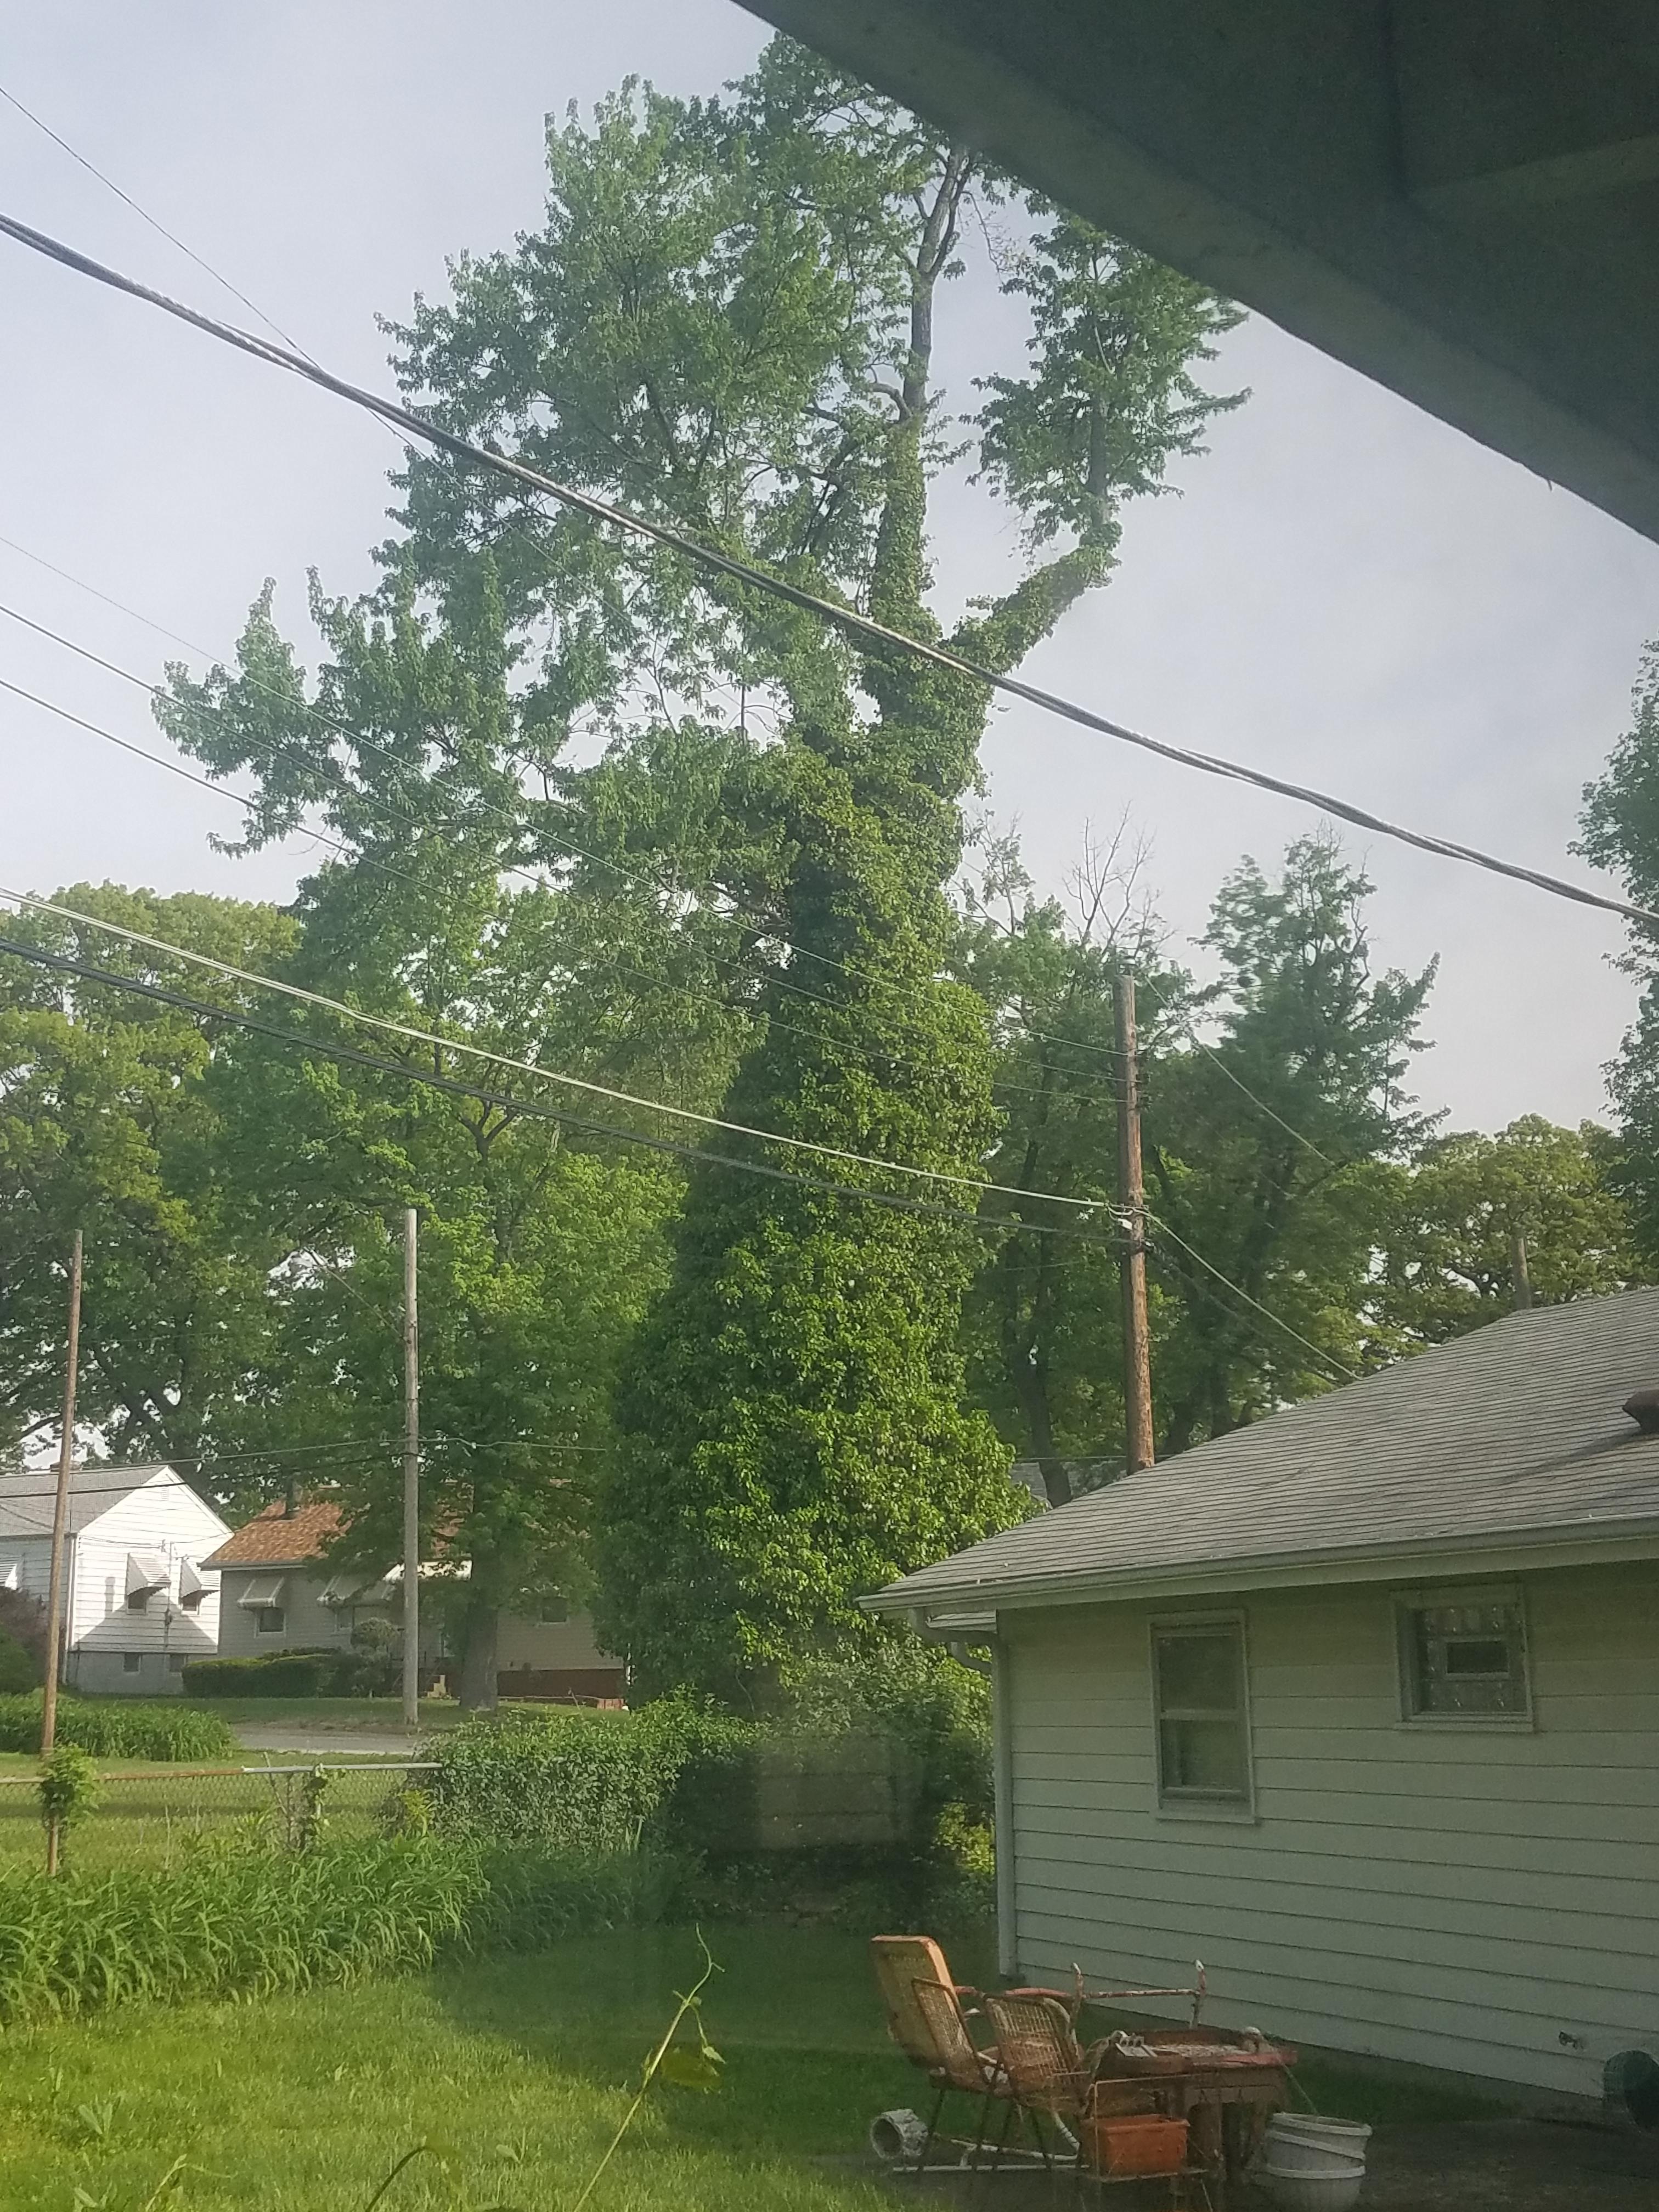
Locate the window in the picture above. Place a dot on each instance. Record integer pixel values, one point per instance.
(552, 1609)
(1202, 1714)
(269, 1620)
(1463, 1657)
(131, 1661)
(175, 1663)
(137, 1600)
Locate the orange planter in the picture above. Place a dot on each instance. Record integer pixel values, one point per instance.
(1138, 2143)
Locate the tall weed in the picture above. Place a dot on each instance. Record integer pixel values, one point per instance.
(120, 1729)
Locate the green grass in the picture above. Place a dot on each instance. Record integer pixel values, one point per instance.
(366, 1716)
(520, 2068)
(523, 2068)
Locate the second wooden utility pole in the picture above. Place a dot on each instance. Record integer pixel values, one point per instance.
(59, 1521)
(1137, 1345)
(411, 1482)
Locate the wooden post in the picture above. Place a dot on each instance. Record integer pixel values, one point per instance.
(60, 1516)
(1519, 1276)
(1132, 1268)
(411, 1482)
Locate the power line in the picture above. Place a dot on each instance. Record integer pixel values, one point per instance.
(417, 1035)
(847, 618)
(353, 855)
(1327, 1359)
(539, 1109)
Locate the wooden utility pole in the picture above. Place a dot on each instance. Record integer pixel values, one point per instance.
(1137, 1347)
(411, 1482)
(1520, 1275)
(59, 1516)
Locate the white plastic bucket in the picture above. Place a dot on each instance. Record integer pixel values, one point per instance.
(1348, 2137)
(1309, 2192)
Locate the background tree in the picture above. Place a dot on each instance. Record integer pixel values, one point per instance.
(1449, 1259)
(1262, 1146)
(106, 1126)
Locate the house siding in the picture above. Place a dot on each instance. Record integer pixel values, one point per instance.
(1478, 1898)
(101, 1630)
(309, 1625)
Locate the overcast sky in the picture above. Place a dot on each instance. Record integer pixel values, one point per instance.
(1348, 593)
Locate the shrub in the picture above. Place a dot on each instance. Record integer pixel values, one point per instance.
(237, 1920)
(588, 1782)
(17, 1672)
(354, 1674)
(119, 1728)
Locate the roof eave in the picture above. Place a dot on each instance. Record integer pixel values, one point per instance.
(1497, 1553)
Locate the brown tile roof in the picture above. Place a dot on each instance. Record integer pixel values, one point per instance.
(278, 1539)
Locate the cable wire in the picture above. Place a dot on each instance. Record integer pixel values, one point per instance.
(850, 620)
(538, 1109)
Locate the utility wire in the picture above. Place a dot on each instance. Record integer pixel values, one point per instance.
(415, 1034)
(353, 855)
(537, 1109)
(848, 619)
(1327, 1360)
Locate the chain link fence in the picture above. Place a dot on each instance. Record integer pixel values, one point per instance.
(151, 1817)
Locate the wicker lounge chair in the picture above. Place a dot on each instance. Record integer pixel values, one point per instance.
(928, 2018)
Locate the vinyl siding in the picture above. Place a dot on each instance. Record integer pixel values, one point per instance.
(309, 1625)
(166, 1518)
(1460, 1895)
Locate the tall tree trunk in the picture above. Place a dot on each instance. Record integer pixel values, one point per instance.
(482, 1633)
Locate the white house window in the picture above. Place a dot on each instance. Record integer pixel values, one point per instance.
(1202, 1712)
(269, 1620)
(553, 1609)
(176, 1662)
(131, 1661)
(1463, 1657)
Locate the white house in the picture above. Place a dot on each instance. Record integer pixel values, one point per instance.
(1360, 1706)
(281, 1593)
(139, 1598)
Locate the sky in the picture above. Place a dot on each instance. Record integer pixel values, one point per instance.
(1347, 592)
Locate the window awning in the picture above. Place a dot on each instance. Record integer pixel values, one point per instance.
(263, 1590)
(359, 1589)
(146, 1571)
(191, 1588)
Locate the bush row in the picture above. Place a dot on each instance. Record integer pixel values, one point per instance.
(245, 1921)
(119, 1728)
(289, 1675)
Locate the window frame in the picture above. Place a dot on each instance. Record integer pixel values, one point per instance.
(1433, 1597)
(1172, 1801)
(133, 1662)
(262, 1614)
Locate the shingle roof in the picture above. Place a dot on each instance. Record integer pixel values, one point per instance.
(1514, 1433)
(28, 1494)
(276, 1538)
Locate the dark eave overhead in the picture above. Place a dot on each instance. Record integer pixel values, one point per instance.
(1458, 197)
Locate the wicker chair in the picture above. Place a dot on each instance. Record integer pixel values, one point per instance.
(929, 2021)
(1051, 2077)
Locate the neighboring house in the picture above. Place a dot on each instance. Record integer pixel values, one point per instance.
(1359, 1704)
(281, 1594)
(140, 1598)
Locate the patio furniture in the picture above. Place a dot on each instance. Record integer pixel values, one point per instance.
(929, 2021)
(1113, 2131)
(1226, 2082)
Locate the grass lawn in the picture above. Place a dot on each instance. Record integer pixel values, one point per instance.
(362, 1715)
(520, 2069)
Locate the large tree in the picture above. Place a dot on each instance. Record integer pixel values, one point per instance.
(726, 321)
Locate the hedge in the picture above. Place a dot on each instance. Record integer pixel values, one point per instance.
(120, 1728)
(283, 1675)
(665, 1776)
(248, 1922)
(17, 1674)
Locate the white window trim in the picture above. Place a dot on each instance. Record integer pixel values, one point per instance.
(1408, 1601)
(259, 1628)
(1182, 1808)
